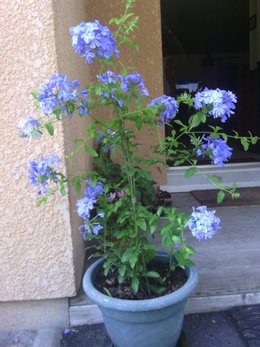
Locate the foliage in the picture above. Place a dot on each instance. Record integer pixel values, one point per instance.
(117, 206)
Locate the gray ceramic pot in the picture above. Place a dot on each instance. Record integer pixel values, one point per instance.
(142, 323)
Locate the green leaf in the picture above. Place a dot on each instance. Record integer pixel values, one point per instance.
(244, 143)
(166, 228)
(254, 140)
(159, 211)
(220, 197)
(98, 90)
(141, 223)
(90, 151)
(62, 188)
(191, 171)
(177, 121)
(126, 255)
(41, 200)
(57, 112)
(152, 274)
(114, 20)
(135, 284)
(187, 262)
(153, 224)
(133, 259)
(120, 279)
(166, 239)
(196, 120)
(50, 128)
(70, 107)
(176, 239)
(216, 180)
(224, 136)
(35, 94)
(122, 269)
(118, 204)
(107, 292)
(189, 250)
(157, 290)
(138, 122)
(107, 265)
(186, 99)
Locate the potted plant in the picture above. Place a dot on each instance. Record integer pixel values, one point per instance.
(141, 293)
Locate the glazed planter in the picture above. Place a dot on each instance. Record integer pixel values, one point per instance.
(144, 323)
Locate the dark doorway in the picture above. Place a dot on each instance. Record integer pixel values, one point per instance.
(207, 43)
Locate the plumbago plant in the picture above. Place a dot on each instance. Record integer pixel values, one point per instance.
(117, 208)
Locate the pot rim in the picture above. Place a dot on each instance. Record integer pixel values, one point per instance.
(137, 305)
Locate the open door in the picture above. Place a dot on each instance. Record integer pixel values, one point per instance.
(212, 44)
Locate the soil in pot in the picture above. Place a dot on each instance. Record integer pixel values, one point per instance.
(109, 284)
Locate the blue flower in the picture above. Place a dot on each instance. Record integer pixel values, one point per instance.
(89, 228)
(113, 81)
(134, 79)
(109, 77)
(91, 39)
(96, 228)
(61, 96)
(203, 224)
(121, 84)
(43, 172)
(85, 228)
(167, 106)
(92, 191)
(29, 127)
(222, 102)
(84, 206)
(217, 149)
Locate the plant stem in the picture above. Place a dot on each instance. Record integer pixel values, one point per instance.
(146, 278)
(170, 259)
(129, 169)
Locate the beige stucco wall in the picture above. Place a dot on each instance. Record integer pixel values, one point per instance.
(39, 248)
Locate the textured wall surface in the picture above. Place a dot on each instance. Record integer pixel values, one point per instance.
(41, 251)
(37, 258)
(147, 60)
(67, 14)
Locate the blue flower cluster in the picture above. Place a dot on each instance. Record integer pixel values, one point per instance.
(119, 84)
(218, 150)
(167, 107)
(29, 127)
(43, 172)
(109, 77)
(60, 95)
(113, 81)
(86, 206)
(222, 102)
(203, 224)
(92, 39)
(134, 79)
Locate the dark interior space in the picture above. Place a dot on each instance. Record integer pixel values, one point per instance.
(207, 43)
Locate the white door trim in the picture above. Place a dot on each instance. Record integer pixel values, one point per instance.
(244, 174)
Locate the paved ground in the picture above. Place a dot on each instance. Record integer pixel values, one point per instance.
(45, 337)
(237, 327)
